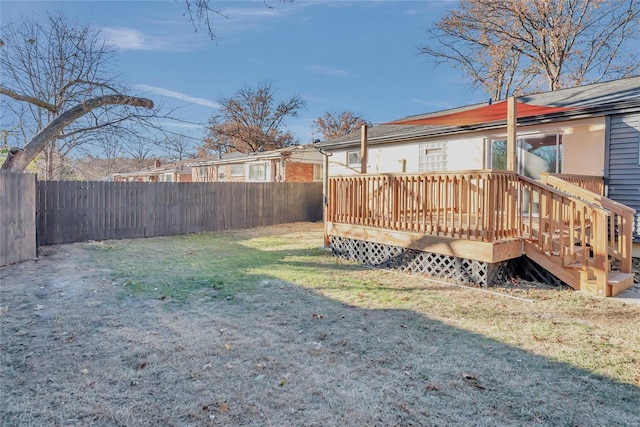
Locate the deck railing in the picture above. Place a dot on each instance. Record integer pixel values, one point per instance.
(560, 219)
(594, 184)
(478, 205)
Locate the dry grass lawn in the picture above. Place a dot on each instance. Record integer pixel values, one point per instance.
(262, 327)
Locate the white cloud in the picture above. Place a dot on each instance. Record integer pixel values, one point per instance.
(132, 39)
(181, 96)
(329, 71)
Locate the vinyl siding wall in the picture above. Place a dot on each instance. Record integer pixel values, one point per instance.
(624, 162)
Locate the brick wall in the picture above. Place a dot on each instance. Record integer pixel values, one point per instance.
(184, 177)
(299, 172)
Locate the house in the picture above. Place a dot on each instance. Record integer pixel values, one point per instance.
(170, 172)
(461, 193)
(301, 163)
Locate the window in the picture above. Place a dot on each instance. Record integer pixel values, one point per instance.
(237, 170)
(433, 156)
(257, 172)
(168, 177)
(353, 158)
(221, 174)
(202, 172)
(536, 154)
(317, 172)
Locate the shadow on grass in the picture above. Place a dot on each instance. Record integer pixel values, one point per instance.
(275, 351)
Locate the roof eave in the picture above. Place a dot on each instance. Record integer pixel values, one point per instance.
(428, 132)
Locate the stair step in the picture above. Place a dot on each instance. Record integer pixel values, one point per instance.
(619, 282)
(616, 277)
(576, 265)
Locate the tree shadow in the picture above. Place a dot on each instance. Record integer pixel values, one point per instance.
(280, 353)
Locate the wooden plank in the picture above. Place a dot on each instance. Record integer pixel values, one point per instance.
(17, 217)
(469, 249)
(553, 265)
(512, 115)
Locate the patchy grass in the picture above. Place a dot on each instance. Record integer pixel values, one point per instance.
(262, 327)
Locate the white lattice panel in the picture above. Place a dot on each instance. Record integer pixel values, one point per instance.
(418, 262)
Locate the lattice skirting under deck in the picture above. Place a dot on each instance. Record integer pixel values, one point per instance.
(440, 266)
(413, 261)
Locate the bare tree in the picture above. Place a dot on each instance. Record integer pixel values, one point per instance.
(251, 121)
(141, 151)
(58, 87)
(202, 13)
(178, 147)
(506, 47)
(335, 125)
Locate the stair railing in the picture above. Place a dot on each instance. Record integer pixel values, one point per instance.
(559, 224)
(619, 222)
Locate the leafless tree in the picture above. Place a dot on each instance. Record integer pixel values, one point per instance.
(335, 125)
(516, 46)
(203, 12)
(141, 151)
(178, 147)
(251, 121)
(57, 84)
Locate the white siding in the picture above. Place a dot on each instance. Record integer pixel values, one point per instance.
(463, 154)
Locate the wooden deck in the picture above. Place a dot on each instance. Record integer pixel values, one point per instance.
(479, 250)
(492, 216)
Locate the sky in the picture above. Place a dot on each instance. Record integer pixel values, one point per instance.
(358, 56)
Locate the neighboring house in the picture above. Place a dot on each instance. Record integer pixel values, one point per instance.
(170, 172)
(583, 134)
(292, 164)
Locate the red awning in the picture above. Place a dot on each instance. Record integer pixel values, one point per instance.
(486, 114)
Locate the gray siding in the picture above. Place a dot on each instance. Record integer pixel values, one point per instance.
(624, 162)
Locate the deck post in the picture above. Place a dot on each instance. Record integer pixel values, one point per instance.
(511, 134)
(363, 149)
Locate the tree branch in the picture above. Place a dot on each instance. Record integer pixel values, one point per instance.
(26, 98)
(18, 159)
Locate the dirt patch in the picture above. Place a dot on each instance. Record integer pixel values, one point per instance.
(262, 327)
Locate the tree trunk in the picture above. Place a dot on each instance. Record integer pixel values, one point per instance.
(19, 158)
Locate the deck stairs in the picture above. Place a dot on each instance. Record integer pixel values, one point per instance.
(569, 252)
(578, 275)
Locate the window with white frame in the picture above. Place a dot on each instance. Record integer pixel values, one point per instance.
(317, 172)
(168, 177)
(353, 158)
(257, 172)
(433, 156)
(202, 172)
(237, 170)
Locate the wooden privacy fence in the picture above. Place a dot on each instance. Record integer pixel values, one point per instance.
(70, 211)
(17, 217)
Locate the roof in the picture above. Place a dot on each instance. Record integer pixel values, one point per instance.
(236, 157)
(595, 100)
(179, 167)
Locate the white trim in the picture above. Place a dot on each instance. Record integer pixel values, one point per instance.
(267, 171)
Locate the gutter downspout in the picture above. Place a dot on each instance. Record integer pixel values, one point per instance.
(325, 191)
(281, 176)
